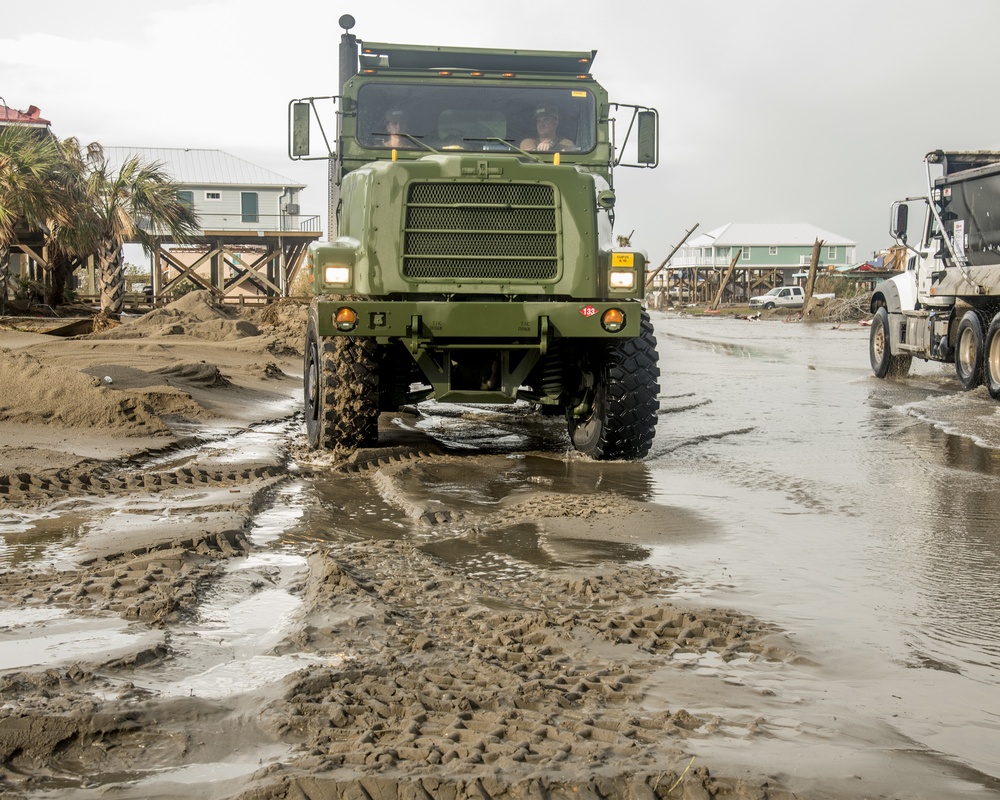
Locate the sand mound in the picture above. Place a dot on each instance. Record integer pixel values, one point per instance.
(284, 323)
(33, 393)
(195, 314)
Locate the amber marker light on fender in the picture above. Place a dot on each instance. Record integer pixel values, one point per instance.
(346, 319)
(613, 320)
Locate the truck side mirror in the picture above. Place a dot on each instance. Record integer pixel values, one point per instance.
(647, 138)
(299, 144)
(900, 216)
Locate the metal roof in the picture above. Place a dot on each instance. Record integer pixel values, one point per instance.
(203, 167)
(798, 234)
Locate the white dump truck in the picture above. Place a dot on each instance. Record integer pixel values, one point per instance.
(946, 305)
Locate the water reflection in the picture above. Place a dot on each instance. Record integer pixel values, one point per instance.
(27, 537)
(858, 514)
(473, 508)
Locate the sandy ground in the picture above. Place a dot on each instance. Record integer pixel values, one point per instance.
(411, 678)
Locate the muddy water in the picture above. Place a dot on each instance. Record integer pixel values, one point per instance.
(854, 517)
(858, 515)
(861, 516)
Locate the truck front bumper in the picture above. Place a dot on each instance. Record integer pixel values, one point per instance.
(504, 324)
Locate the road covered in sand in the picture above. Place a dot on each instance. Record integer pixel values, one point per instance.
(194, 605)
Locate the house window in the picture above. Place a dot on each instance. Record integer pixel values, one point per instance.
(248, 206)
(185, 197)
(772, 250)
(745, 255)
(831, 253)
(213, 195)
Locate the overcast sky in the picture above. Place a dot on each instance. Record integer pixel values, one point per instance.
(771, 110)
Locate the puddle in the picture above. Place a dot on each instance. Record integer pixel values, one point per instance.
(487, 429)
(44, 638)
(229, 648)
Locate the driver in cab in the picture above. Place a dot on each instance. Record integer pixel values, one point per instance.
(547, 138)
(395, 125)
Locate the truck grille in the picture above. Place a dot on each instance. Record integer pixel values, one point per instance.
(486, 231)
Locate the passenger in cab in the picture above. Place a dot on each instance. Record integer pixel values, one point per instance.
(547, 138)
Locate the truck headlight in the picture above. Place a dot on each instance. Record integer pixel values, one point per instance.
(340, 275)
(622, 279)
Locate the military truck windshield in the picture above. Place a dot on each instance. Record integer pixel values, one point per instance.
(454, 117)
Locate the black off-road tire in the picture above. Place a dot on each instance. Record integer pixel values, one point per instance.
(341, 391)
(970, 348)
(991, 360)
(624, 399)
(884, 364)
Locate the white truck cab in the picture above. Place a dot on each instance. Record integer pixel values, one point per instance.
(946, 305)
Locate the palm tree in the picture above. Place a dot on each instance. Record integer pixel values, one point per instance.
(133, 203)
(31, 197)
(69, 240)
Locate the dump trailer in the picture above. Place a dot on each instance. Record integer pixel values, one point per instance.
(946, 305)
(471, 256)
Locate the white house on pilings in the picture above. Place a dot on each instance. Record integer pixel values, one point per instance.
(253, 235)
(770, 254)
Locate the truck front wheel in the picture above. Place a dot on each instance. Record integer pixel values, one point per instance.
(341, 391)
(623, 402)
(969, 349)
(884, 363)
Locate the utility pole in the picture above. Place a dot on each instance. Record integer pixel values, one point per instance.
(725, 280)
(649, 280)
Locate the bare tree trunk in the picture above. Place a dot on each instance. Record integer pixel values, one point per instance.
(813, 264)
(111, 281)
(60, 270)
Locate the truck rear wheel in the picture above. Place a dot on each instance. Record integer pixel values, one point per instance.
(623, 399)
(884, 363)
(341, 390)
(991, 366)
(969, 350)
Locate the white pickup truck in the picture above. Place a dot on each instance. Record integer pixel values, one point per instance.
(785, 297)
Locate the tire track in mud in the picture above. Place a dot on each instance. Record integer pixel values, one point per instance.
(441, 684)
(24, 487)
(98, 478)
(455, 686)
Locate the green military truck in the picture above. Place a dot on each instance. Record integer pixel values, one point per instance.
(471, 257)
